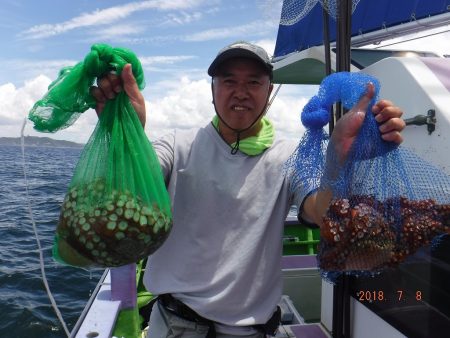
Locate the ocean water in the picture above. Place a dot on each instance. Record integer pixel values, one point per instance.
(25, 309)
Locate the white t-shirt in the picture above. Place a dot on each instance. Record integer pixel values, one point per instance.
(223, 255)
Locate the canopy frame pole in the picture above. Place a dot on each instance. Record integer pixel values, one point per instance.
(341, 291)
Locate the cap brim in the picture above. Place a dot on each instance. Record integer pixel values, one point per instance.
(236, 53)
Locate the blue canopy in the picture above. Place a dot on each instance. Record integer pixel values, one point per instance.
(369, 16)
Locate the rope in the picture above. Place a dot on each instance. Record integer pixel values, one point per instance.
(41, 255)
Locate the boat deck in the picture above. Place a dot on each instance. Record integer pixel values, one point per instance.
(299, 272)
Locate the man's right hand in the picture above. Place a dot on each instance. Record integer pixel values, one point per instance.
(111, 84)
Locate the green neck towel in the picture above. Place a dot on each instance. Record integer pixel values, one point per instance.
(254, 145)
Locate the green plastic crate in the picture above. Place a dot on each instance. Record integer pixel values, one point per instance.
(300, 240)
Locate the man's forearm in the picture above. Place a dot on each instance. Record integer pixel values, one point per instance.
(316, 205)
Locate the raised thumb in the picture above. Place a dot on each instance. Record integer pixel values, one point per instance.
(364, 101)
(129, 82)
(134, 94)
(355, 117)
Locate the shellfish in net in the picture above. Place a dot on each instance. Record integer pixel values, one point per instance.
(108, 228)
(362, 234)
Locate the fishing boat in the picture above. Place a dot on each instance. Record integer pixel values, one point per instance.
(315, 39)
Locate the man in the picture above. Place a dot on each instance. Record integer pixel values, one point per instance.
(219, 272)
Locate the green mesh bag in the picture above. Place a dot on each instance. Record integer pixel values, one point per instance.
(117, 209)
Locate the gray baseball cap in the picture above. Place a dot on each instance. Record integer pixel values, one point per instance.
(241, 49)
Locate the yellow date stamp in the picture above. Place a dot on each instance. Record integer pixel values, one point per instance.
(380, 295)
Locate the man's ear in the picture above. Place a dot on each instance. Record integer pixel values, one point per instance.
(212, 90)
(270, 88)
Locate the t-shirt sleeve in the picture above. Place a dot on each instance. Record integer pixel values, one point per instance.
(299, 195)
(164, 148)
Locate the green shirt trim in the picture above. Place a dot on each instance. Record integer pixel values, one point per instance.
(254, 145)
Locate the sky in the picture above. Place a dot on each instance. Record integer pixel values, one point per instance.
(175, 40)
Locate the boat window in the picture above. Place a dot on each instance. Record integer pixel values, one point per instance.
(415, 297)
(362, 58)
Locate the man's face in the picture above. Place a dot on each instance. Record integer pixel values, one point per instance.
(241, 89)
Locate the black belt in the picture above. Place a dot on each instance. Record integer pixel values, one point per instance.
(180, 309)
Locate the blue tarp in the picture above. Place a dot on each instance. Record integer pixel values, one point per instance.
(369, 16)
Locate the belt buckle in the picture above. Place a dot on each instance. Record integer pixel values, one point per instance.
(168, 305)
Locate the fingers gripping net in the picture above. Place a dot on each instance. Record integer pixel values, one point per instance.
(68, 96)
(306, 166)
(295, 10)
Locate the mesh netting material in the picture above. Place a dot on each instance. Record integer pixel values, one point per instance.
(68, 96)
(117, 209)
(295, 10)
(386, 201)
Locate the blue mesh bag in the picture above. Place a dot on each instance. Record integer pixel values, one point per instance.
(386, 201)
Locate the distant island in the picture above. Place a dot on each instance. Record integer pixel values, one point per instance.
(34, 141)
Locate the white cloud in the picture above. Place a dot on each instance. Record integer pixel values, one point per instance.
(26, 69)
(258, 27)
(271, 10)
(114, 32)
(186, 103)
(182, 18)
(164, 59)
(21, 69)
(186, 106)
(160, 40)
(15, 104)
(285, 114)
(180, 4)
(169, 69)
(105, 16)
(189, 105)
(267, 44)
